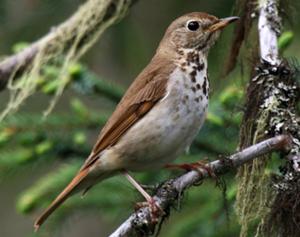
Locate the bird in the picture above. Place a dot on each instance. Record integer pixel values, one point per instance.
(159, 115)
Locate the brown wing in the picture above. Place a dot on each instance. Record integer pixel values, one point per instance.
(148, 88)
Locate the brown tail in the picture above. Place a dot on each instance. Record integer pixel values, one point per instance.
(67, 192)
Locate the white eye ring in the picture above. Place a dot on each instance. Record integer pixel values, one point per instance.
(192, 25)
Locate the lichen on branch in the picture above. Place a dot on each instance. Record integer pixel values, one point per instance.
(168, 193)
(272, 97)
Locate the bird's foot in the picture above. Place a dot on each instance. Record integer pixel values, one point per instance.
(155, 210)
(193, 166)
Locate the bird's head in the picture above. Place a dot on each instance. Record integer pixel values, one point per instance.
(195, 30)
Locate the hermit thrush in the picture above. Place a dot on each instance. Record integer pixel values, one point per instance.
(161, 112)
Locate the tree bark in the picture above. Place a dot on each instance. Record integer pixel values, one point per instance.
(272, 96)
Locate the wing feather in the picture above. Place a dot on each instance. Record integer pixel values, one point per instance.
(147, 90)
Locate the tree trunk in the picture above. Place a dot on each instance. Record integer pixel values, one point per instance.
(270, 109)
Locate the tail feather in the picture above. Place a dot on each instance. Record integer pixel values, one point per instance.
(67, 192)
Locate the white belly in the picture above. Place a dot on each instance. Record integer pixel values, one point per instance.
(168, 129)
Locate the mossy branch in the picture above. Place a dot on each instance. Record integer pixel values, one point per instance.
(63, 46)
(169, 193)
(15, 65)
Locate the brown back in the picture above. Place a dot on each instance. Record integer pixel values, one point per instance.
(147, 89)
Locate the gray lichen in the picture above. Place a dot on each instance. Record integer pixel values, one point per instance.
(278, 94)
(273, 16)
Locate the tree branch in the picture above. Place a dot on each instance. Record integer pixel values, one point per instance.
(269, 27)
(140, 224)
(66, 33)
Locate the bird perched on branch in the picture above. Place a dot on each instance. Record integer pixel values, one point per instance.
(161, 112)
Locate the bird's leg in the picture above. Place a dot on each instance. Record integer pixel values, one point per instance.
(193, 166)
(137, 186)
(155, 209)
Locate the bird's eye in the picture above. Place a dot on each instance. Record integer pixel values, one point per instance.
(193, 25)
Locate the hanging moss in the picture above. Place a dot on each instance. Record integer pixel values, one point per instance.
(63, 47)
(273, 112)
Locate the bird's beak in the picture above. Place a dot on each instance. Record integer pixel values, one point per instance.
(222, 23)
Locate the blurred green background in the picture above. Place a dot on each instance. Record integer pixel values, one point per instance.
(39, 156)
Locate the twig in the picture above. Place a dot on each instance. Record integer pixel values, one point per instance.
(140, 224)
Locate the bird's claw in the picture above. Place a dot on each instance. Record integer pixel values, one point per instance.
(155, 210)
(193, 166)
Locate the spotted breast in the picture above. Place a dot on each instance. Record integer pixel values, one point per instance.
(175, 120)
